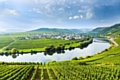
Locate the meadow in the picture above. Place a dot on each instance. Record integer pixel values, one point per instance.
(38, 43)
(5, 40)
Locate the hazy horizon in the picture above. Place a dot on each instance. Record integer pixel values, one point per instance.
(19, 16)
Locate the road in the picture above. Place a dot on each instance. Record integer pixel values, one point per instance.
(112, 40)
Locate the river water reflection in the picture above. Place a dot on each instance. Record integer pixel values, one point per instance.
(67, 55)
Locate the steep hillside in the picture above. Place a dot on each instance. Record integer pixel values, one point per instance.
(106, 31)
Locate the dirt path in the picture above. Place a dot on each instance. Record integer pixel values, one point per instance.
(112, 40)
(14, 40)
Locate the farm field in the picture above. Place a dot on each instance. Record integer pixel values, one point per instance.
(38, 43)
(59, 72)
(27, 45)
(5, 40)
(12, 41)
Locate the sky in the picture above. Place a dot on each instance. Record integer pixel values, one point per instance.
(25, 15)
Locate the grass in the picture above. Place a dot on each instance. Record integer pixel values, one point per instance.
(38, 43)
(110, 59)
(34, 44)
(5, 40)
(112, 55)
(72, 45)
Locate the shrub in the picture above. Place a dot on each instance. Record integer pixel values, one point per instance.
(13, 50)
(80, 58)
(74, 58)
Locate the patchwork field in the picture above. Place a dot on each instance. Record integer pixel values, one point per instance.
(11, 41)
(58, 72)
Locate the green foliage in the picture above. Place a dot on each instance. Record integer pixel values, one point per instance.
(74, 58)
(87, 57)
(5, 40)
(14, 72)
(106, 31)
(80, 58)
(106, 54)
(38, 43)
(13, 50)
(59, 71)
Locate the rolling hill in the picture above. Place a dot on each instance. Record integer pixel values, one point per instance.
(113, 30)
(56, 30)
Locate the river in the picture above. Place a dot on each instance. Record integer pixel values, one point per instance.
(91, 49)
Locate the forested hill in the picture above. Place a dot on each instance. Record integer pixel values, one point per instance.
(56, 30)
(113, 30)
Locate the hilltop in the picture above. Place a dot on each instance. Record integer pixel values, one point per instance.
(113, 30)
(56, 30)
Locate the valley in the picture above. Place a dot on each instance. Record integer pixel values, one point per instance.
(79, 67)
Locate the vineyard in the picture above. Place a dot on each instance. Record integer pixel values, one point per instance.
(58, 72)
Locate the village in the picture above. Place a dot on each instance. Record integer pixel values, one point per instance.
(64, 36)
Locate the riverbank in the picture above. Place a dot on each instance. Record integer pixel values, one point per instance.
(67, 45)
(57, 56)
(114, 50)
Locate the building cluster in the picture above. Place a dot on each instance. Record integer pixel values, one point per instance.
(54, 36)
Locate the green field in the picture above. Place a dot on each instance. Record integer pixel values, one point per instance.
(38, 43)
(5, 40)
(34, 44)
(104, 66)
(12, 41)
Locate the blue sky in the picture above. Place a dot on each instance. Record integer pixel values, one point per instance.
(24, 15)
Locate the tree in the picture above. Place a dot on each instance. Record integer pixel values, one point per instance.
(13, 50)
(14, 56)
(75, 58)
(80, 58)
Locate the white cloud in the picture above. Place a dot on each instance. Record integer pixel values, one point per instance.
(37, 10)
(61, 9)
(74, 2)
(45, 1)
(47, 7)
(5, 26)
(89, 15)
(9, 11)
(36, 1)
(85, 7)
(68, 7)
(76, 17)
(81, 16)
(81, 0)
(80, 11)
(70, 17)
(2, 0)
(59, 20)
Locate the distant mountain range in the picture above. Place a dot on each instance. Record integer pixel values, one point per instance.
(106, 31)
(56, 30)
